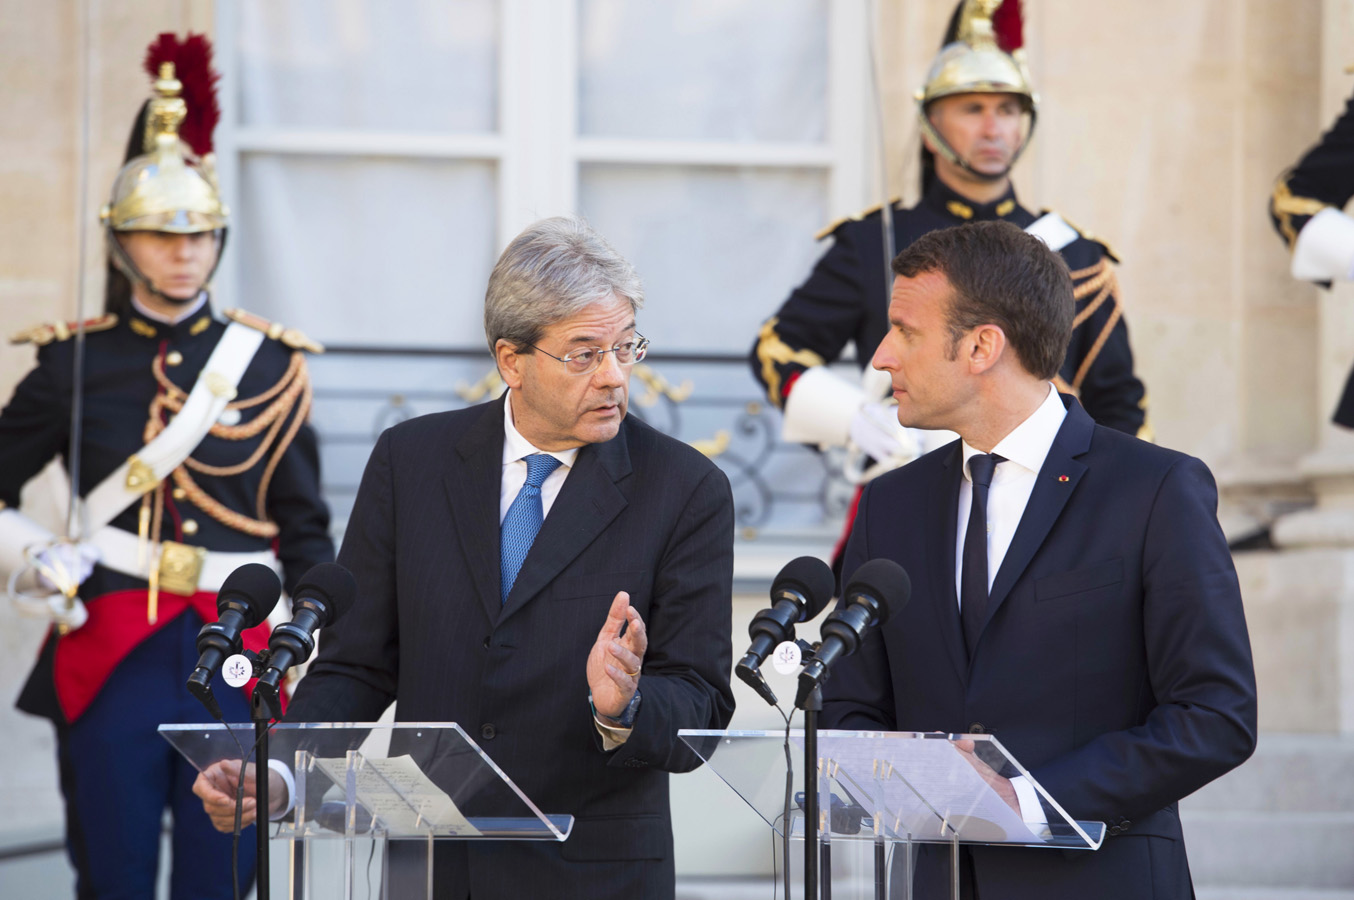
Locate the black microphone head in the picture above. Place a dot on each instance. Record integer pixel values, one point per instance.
(885, 581)
(328, 585)
(255, 586)
(809, 577)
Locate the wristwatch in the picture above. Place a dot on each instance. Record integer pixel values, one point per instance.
(627, 717)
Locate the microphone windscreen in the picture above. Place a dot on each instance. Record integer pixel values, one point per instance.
(811, 578)
(255, 585)
(884, 580)
(330, 584)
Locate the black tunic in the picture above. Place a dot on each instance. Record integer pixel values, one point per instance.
(119, 387)
(846, 299)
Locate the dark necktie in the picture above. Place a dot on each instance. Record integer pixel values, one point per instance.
(523, 521)
(973, 576)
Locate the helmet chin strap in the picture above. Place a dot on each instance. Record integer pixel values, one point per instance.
(943, 147)
(123, 260)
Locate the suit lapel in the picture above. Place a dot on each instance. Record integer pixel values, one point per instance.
(589, 501)
(942, 506)
(1047, 500)
(473, 491)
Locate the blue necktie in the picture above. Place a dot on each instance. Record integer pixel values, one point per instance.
(973, 575)
(523, 520)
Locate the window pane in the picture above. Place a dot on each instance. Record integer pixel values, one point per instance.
(426, 66)
(747, 70)
(368, 251)
(718, 248)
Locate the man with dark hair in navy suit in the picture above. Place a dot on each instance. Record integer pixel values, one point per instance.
(1073, 593)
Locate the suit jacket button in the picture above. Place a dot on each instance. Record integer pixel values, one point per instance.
(633, 763)
(487, 732)
(977, 728)
(486, 641)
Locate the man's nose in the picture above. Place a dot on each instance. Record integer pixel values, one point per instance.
(610, 373)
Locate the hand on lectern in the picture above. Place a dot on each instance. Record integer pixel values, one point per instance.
(216, 786)
(998, 783)
(616, 658)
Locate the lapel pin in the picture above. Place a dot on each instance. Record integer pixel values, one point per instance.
(1062, 477)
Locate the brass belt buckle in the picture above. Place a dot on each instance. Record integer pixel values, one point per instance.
(181, 567)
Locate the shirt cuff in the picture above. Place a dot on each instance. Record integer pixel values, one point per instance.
(289, 784)
(613, 736)
(1031, 810)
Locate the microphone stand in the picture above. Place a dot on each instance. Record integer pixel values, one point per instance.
(816, 877)
(261, 715)
(812, 705)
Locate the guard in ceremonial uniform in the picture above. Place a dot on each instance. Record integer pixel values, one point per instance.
(1307, 209)
(977, 112)
(194, 458)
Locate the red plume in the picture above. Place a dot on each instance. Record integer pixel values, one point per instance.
(192, 59)
(1006, 22)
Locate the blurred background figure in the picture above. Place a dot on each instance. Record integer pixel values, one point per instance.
(1307, 209)
(977, 111)
(191, 456)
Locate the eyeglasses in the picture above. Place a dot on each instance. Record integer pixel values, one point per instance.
(587, 360)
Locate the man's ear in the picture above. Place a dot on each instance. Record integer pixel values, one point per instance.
(509, 363)
(987, 345)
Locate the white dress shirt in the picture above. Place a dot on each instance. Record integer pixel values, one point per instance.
(1024, 450)
(516, 449)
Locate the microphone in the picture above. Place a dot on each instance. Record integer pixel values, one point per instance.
(876, 588)
(323, 594)
(246, 598)
(799, 593)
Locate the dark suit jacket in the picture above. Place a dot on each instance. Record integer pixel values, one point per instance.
(641, 513)
(1114, 663)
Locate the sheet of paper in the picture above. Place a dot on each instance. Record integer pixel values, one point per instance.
(401, 796)
(954, 792)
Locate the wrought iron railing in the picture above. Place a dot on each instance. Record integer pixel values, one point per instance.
(781, 491)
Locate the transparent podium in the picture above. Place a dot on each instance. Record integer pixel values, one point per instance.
(894, 790)
(372, 798)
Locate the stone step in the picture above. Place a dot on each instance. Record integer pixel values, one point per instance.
(1270, 893)
(1288, 773)
(1271, 850)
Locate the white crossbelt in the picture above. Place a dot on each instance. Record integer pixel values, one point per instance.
(215, 388)
(118, 551)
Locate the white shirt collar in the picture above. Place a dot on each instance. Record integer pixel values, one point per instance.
(1029, 442)
(516, 447)
(171, 320)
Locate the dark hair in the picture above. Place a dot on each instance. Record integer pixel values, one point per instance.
(1003, 276)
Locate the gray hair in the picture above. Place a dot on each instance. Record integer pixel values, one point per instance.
(555, 268)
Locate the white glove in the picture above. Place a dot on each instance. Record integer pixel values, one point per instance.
(875, 429)
(1324, 250)
(64, 565)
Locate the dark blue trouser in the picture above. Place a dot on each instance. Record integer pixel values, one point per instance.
(118, 776)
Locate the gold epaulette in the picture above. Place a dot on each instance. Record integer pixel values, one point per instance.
(824, 232)
(289, 336)
(1109, 251)
(60, 331)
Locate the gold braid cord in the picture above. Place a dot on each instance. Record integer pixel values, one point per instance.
(282, 419)
(773, 351)
(1285, 205)
(1094, 285)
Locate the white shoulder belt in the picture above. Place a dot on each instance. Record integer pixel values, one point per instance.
(215, 387)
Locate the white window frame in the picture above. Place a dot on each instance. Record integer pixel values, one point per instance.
(537, 152)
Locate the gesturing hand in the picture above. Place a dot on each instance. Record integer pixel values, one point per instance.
(615, 660)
